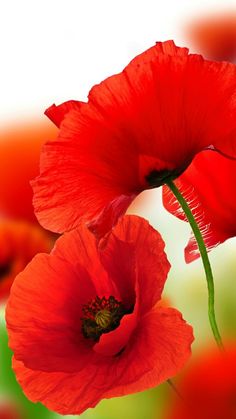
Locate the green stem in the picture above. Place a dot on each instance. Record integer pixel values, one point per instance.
(205, 260)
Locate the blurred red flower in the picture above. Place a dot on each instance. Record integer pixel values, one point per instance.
(9, 411)
(20, 147)
(208, 388)
(83, 321)
(214, 36)
(208, 185)
(139, 128)
(19, 242)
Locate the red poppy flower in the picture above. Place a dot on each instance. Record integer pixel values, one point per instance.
(19, 242)
(139, 128)
(208, 388)
(215, 36)
(83, 321)
(9, 411)
(208, 185)
(20, 147)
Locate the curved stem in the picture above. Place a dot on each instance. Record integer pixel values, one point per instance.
(205, 260)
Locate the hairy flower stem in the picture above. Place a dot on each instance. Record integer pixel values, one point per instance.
(205, 260)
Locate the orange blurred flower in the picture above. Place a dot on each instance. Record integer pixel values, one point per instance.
(9, 411)
(214, 36)
(19, 242)
(208, 388)
(20, 147)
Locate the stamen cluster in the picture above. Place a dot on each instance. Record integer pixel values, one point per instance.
(101, 315)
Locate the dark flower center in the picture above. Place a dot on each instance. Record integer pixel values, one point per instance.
(101, 315)
(5, 269)
(158, 178)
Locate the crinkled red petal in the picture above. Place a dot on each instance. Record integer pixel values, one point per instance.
(158, 350)
(59, 285)
(57, 113)
(141, 253)
(208, 186)
(109, 216)
(166, 104)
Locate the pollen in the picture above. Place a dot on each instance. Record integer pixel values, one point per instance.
(101, 315)
(103, 318)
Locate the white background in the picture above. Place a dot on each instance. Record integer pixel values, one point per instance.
(55, 50)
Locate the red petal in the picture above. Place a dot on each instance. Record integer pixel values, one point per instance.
(207, 185)
(113, 343)
(63, 393)
(57, 113)
(134, 252)
(167, 48)
(51, 324)
(157, 351)
(59, 285)
(154, 108)
(80, 247)
(81, 175)
(109, 216)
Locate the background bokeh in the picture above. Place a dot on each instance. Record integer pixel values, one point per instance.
(55, 50)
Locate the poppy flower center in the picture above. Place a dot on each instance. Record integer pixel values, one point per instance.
(158, 178)
(5, 269)
(101, 315)
(103, 318)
